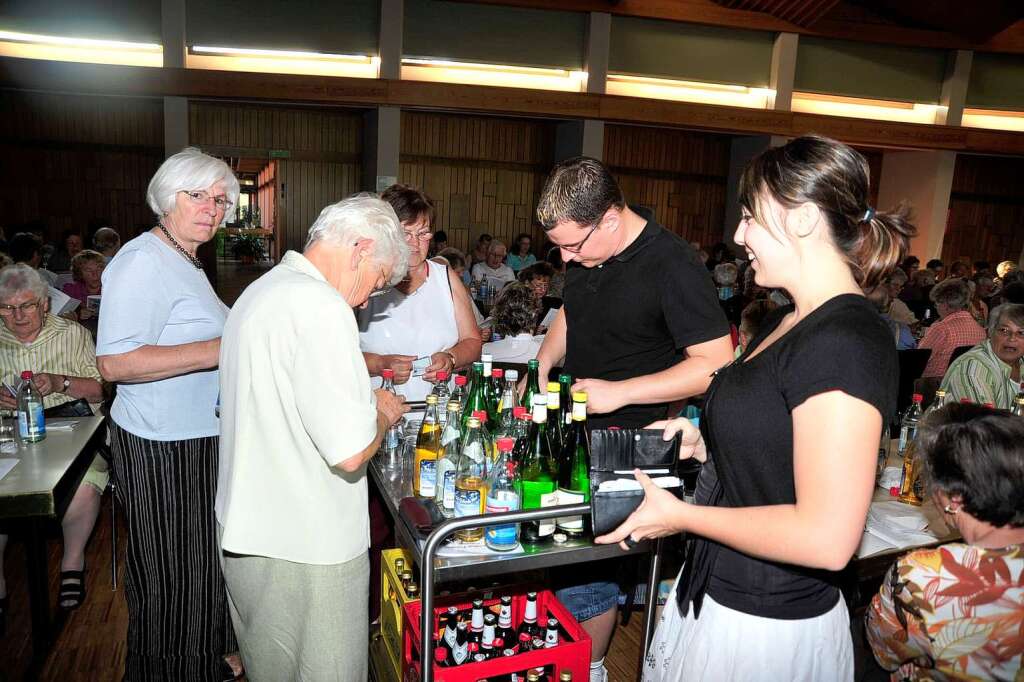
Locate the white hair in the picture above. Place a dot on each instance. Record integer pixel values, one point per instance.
(725, 274)
(20, 277)
(364, 216)
(187, 171)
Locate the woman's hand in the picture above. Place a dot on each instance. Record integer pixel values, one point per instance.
(656, 517)
(485, 334)
(440, 361)
(402, 364)
(692, 444)
(85, 313)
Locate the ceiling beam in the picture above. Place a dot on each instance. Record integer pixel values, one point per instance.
(140, 81)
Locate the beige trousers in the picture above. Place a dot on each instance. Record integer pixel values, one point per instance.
(299, 622)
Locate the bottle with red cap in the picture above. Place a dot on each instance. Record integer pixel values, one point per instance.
(443, 394)
(503, 496)
(459, 392)
(908, 426)
(391, 447)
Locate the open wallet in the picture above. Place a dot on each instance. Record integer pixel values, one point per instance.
(614, 454)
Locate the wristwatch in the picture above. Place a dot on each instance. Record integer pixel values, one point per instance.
(452, 356)
(66, 385)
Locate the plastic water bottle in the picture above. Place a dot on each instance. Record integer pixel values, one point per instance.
(31, 423)
(392, 445)
(908, 427)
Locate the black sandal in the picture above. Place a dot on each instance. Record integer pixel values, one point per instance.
(71, 593)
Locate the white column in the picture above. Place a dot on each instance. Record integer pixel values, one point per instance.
(924, 180)
(783, 71)
(172, 22)
(954, 88)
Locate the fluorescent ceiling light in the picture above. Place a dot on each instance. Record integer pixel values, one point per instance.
(689, 91)
(994, 119)
(71, 49)
(500, 75)
(875, 109)
(282, 61)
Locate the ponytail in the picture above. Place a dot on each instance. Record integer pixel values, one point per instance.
(883, 241)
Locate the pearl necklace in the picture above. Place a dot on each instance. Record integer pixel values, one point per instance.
(188, 256)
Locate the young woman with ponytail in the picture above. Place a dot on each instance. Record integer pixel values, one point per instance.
(789, 436)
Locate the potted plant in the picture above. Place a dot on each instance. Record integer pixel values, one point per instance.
(248, 248)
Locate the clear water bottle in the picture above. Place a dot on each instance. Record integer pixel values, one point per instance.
(443, 394)
(31, 423)
(392, 445)
(908, 427)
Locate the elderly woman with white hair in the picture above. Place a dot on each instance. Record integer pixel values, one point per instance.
(991, 371)
(159, 340)
(299, 422)
(62, 358)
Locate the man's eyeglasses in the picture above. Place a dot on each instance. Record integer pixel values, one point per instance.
(1008, 333)
(25, 308)
(201, 198)
(576, 248)
(384, 289)
(422, 235)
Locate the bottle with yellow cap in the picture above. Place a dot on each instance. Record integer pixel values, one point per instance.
(574, 467)
(555, 430)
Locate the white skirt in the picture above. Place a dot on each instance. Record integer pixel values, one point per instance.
(730, 645)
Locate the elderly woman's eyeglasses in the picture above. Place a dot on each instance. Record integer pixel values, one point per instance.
(201, 198)
(1007, 333)
(25, 308)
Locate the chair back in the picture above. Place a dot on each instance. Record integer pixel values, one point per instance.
(957, 352)
(927, 386)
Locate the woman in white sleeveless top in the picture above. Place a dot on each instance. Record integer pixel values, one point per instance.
(429, 315)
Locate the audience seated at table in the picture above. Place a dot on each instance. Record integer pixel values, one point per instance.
(991, 371)
(493, 270)
(62, 357)
(521, 257)
(514, 318)
(898, 310)
(86, 271)
(954, 612)
(902, 336)
(955, 327)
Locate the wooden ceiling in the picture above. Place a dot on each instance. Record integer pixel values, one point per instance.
(984, 25)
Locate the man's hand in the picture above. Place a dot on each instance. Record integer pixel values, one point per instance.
(390, 405)
(438, 362)
(602, 396)
(402, 364)
(45, 383)
(7, 400)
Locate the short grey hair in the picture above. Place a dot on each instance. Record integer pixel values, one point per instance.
(495, 243)
(726, 274)
(897, 276)
(189, 170)
(952, 292)
(364, 216)
(105, 238)
(20, 277)
(1007, 312)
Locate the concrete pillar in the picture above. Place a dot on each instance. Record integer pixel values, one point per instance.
(172, 27)
(381, 146)
(579, 138)
(924, 180)
(783, 71)
(175, 124)
(392, 15)
(954, 87)
(599, 37)
(743, 149)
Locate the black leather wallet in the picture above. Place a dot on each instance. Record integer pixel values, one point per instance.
(614, 453)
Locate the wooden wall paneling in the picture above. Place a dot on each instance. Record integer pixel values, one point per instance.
(986, 212)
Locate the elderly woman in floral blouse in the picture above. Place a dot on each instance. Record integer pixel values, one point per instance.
(955, 612)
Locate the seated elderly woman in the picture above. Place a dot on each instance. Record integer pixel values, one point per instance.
(991, 371)
(86, 270)
(729, 297)
(955, 327)
(901, 334)
(61, 355)
(955, 611)
(538, 278)
(514, 318)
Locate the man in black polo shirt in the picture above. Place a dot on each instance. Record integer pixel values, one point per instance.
(640, 327)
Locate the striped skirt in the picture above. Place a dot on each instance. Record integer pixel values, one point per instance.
(179, 627)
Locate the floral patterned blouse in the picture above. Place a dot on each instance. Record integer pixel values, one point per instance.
(954, 612)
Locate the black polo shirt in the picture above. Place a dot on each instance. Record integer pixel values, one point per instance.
(634, 314)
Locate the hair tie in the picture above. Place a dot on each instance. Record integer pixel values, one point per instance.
(868, 215)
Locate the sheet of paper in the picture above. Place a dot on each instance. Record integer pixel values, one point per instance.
(61, 303)
(549, 318)
(419, 366)
(6, 465)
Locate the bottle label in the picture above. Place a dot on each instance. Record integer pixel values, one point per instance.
(547, 526)
(550, 638)
(571, 524)
(428, 477)
(505, 535)
(450, 637)
(467, 502)
(448, 489)
(391, 439)
(460, 653)
(30, 422)
(907, 434)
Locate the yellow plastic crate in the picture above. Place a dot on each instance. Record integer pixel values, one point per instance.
(392, 599)
(386, 666)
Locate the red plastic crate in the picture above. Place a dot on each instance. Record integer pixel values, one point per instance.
(572, 655)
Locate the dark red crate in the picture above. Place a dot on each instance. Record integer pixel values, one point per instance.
(572, 655)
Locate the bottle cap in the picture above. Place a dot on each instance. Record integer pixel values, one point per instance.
(894, 491)
(512, 375)
(431, 399)
(473, 423)
(579, 396)
(506, 444)
(553, 386)
(533, 363)
(26, 375)
(518, 411)
(917, 397)
(990, 405)
(453, 405)
(498, 373)
(565, 377)
(440, 654)
(388, 373)
(559, 538)
(442, 375)
(460, 379)
(481, 415)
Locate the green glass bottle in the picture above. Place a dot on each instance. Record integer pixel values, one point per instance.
(574, 467)
(565, 400)
(537, 479)
(475, 399)
(555, 431)
(532, 384)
